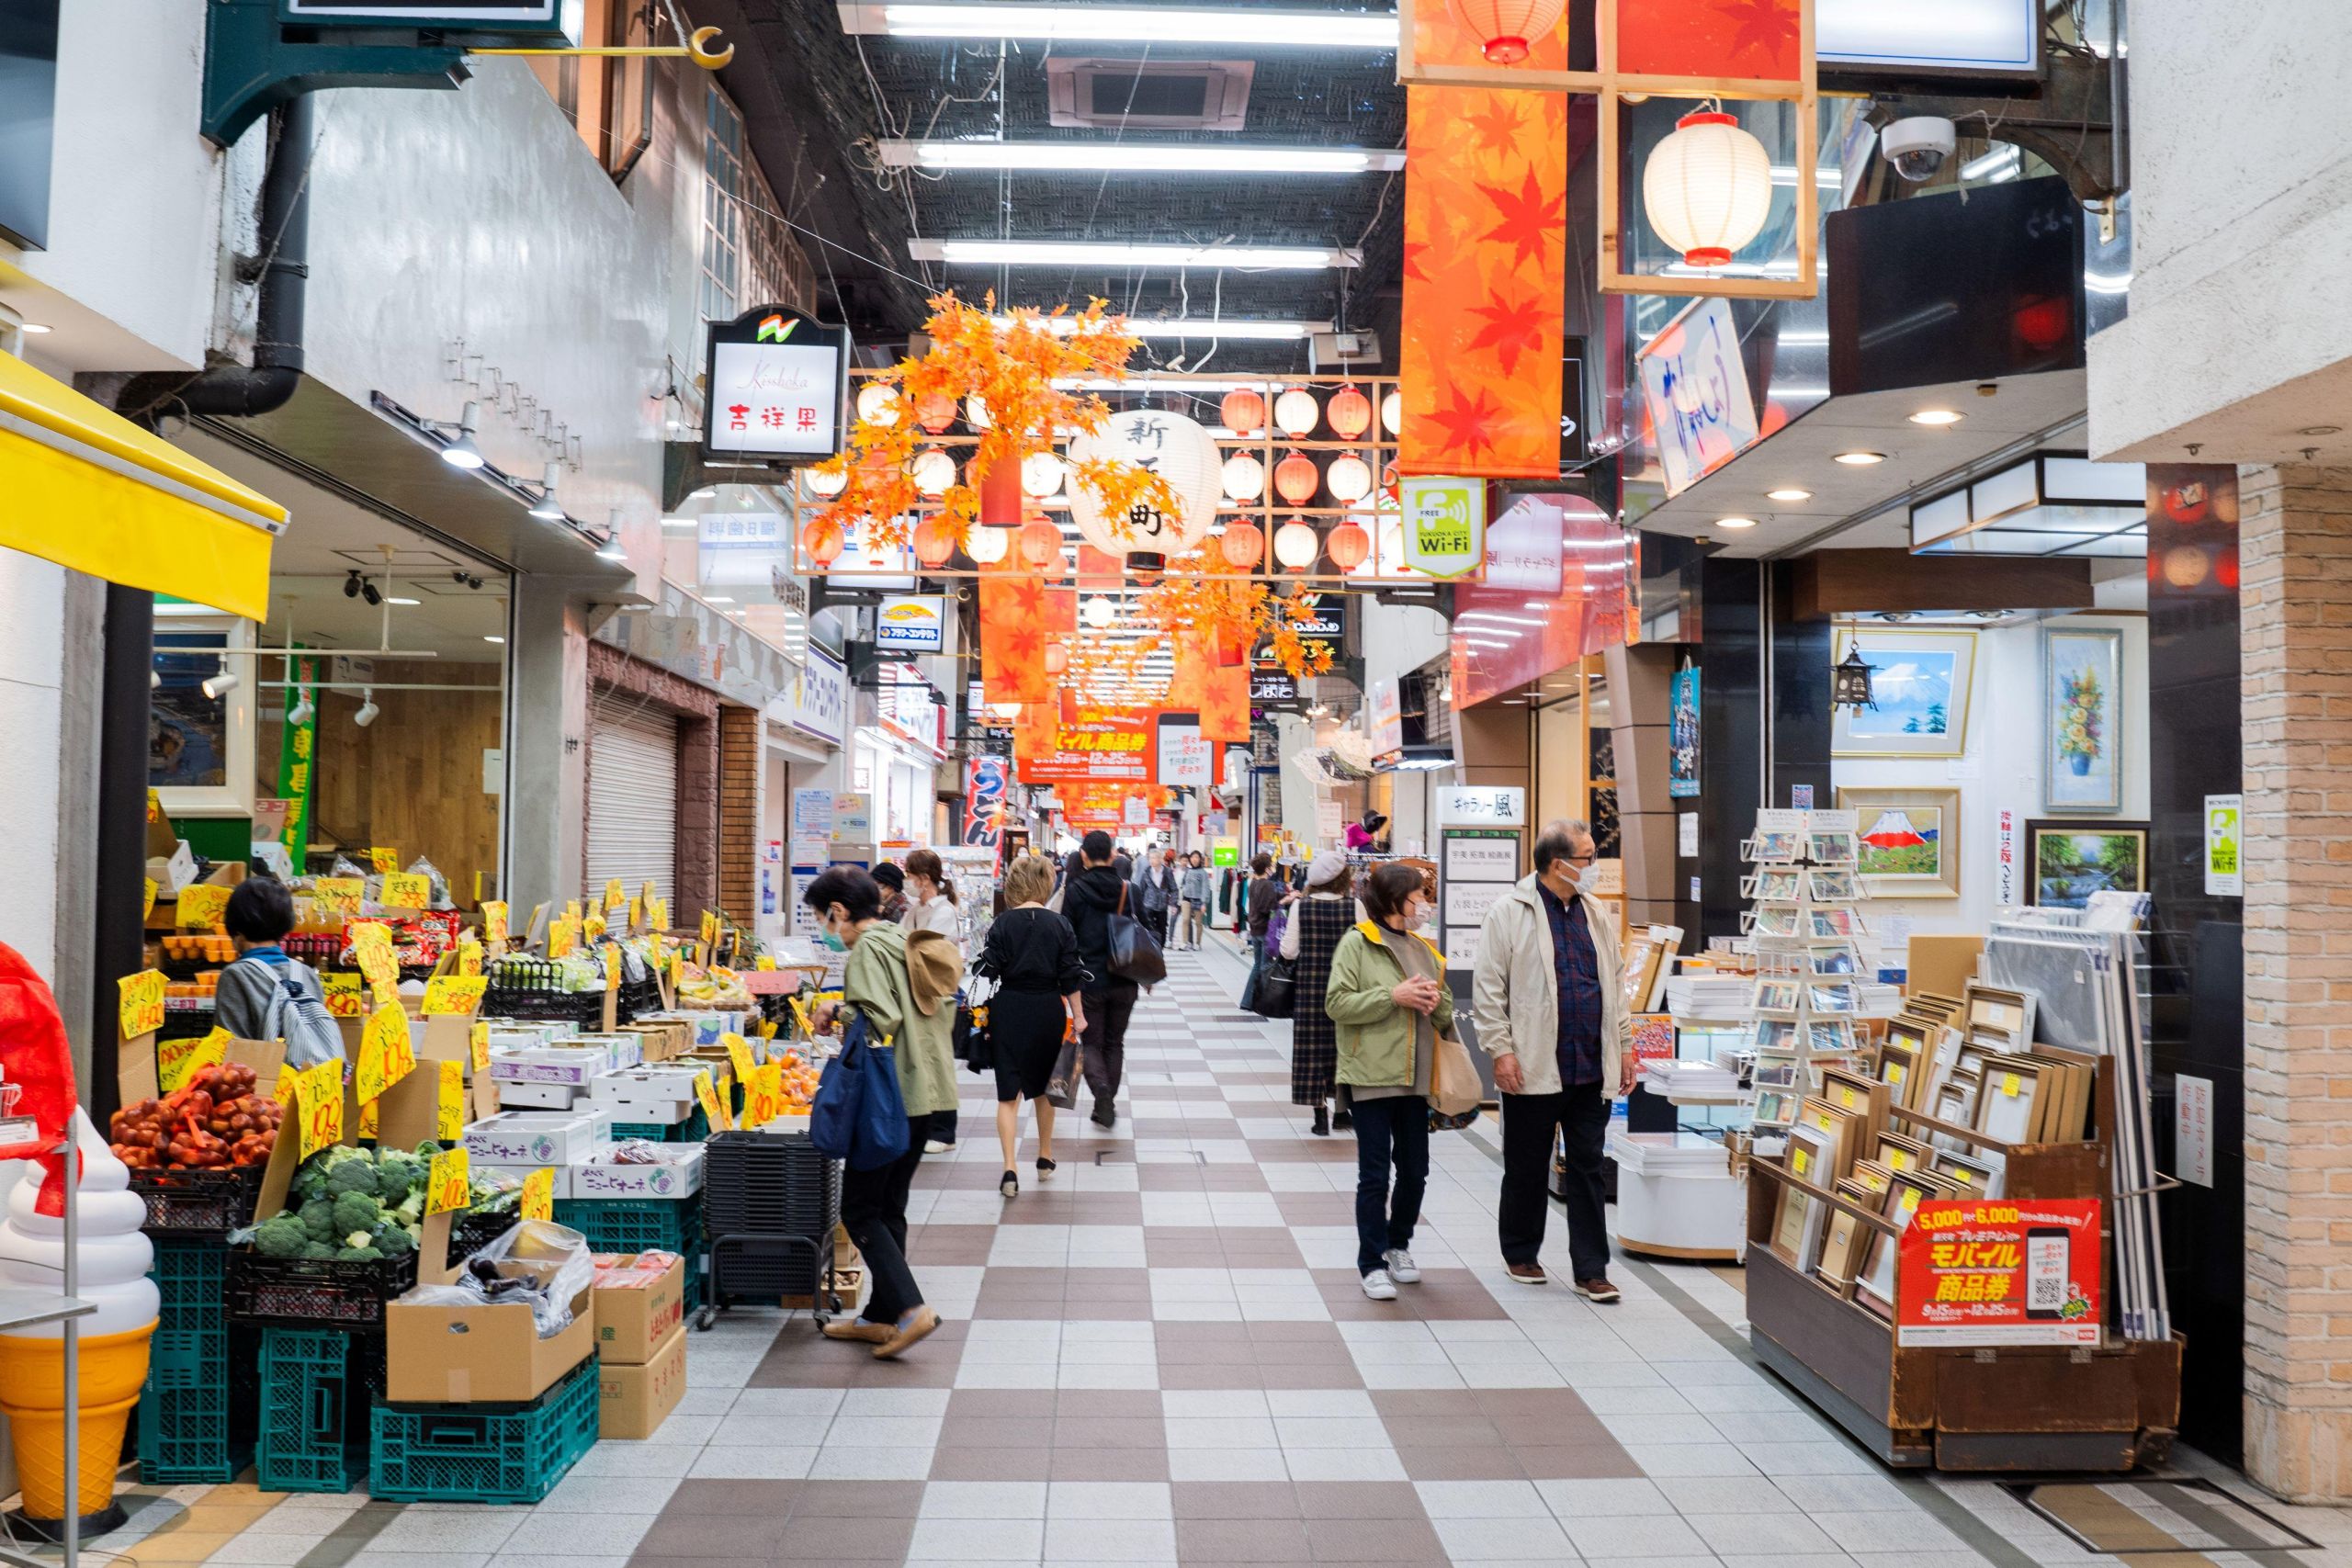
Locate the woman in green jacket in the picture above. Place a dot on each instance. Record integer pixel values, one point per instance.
(905, 992)
(1388, 997)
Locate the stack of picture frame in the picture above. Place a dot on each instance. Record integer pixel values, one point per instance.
(1806, 928)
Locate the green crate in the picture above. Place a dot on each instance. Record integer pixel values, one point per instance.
(190, 1435)
(634, 1224)
(312, 1392)
(477, 1453)
(693, 1130)
(191, 1273)
(189, 1358)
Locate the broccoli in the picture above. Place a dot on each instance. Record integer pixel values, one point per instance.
(281, 1236)
(352, 1175)
(396, 1176)
(359, 1255)
(319, 1251)
(410, 1212)
(392, 1241)
(356, 1211)
(318, 1218)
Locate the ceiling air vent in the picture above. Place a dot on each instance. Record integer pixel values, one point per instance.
(1155, 95)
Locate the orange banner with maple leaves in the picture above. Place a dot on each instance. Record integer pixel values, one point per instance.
(1019, 613)
(1486, 266)
(1754, 39)
(1225, 703)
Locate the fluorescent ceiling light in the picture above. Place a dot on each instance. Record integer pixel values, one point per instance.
(1139, 158)
(1234, 329)
(185, 609)
(718, 599)
(1076, 253)
(676, 523)
(488, 639)
(2004, 156)
(1827, 178)
(398, 599)
(1231, 26)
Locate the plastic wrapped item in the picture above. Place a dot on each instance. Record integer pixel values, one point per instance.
(536, 1262)
(346, 866)
(636, 1151)
(422, 867)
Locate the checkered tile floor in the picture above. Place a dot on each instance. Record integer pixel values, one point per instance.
(1160, 1356)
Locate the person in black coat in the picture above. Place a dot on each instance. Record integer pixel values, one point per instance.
(1032, 955)
(1090, 901)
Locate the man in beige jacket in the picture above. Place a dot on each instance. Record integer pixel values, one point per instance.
(1546, 1001)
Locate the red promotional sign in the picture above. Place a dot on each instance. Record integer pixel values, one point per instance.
(2000, 1272)
(1097, 745)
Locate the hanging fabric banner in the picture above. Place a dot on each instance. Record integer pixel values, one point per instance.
(1018, 613)
(1486, 266)
(1224, 702)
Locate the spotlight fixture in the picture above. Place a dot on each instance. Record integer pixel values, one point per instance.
(1859, 460)
(462, 453)
(303, 709)
(370, 592)
(1788, 492)
(1734, 522)
(466, 580)
(367, 708)
(222, 680)
(352, 583)
(548, 509)
(154, 680)
(1937, 417)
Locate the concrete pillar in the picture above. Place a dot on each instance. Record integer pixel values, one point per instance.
(547, 730)
(1638, 704)
(2296, 639)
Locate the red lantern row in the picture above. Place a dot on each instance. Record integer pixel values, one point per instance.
(1295, 412)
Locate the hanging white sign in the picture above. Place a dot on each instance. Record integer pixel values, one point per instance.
(1179, 451)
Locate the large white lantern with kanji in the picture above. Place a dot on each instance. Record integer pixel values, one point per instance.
(1178, 450)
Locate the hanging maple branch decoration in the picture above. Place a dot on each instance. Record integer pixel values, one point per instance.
(1225, 611)
(1003, 374)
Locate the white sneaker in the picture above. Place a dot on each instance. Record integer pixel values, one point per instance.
(1379, 1286)
(934, 1147)
(1401, 1266)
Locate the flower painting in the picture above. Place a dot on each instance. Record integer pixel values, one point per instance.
(2082, 720)
(1920, 685)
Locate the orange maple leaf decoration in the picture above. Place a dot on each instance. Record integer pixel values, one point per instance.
(1512, 329)
(1202, 613)
(1526, 216)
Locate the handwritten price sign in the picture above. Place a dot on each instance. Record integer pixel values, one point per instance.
(563, 935)
(142, 1003)
(448, 1187)
(454, 995)
(343, 993)
(200, 907)
(151, 899)
(763, 1095)
(449, 1107)
(539, 1194)
(406, 890)
(339, 895)
(176, 1061)
(616, 895)
(611, 966)
(494, 920)
(710, 929)
(386, 1056)
(469, 956)
(319, 1106)
(739, 1051)
(713, 1107)
(478, 1045)
(383, 859)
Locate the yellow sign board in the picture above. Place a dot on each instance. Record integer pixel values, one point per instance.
(339, 895)
(343, 993)
(383, 859)
(455, 995)
(739, 1052)
(319, 1091)
(385, 1054)
(142, 1003)
(449, 1107)
(176, 1061)
(494, 920)
(616, 895)
(448, 1187)
(539, 1194)
(201, 906)
(714, 1110)
(406, 890)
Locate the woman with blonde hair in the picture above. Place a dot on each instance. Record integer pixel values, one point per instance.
(1032, 955)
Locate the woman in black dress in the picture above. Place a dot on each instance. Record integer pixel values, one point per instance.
(1032, 953)
(1317, 921)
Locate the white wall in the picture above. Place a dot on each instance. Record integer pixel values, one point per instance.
(2003, 767)
(32, 639)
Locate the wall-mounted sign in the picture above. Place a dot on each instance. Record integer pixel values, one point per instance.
(1184, 754)
(1383, 718)
(1696, 390)
(458, 15)
(907, 705)
(910, 623)
(1272, 687)
(816, 701)
(1488, 806)
(1968, 37)
(1445, 524)
(775, 387)
(986, 782)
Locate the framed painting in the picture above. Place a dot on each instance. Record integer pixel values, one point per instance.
(1920, 685)
(201, 747)
(2082, 720)
(1908, 841)
(2070, 861)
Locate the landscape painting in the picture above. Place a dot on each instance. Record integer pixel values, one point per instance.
(2074, 860)
(1920, 686)
(1908, 846)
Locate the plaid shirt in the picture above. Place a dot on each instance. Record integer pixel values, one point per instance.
(1579, 978)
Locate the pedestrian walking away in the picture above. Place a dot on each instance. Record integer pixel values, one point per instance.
(1091, 898)
(1317, 921)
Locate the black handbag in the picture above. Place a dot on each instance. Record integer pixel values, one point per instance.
(1277, 992)
(1135, 954)
(974, 1047)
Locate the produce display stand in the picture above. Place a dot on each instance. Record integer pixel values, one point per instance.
(2108, 1408)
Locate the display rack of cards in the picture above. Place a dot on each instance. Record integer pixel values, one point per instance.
(1806, 928)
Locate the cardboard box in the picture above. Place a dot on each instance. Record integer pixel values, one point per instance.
(1943, 964)
(664, 1094)
(538, 1096)
(679, 1177)
(633, 1400)
(664, 1040)
(482, 1354)
(540, 1137)
(640, 1304)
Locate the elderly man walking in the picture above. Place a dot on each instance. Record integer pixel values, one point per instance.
(1548, 1009)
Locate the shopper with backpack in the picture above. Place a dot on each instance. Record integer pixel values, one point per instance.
(266, 994)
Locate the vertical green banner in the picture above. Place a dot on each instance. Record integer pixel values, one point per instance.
(297, 748)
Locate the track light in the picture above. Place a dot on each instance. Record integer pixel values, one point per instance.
(222, 680)
(370, 592)
(303, 709)
(548, 510)
(154, 680)
(462, 453)
(352, 583)
(367, 708)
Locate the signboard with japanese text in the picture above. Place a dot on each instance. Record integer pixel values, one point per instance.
(986, 782)
(1183, 753)
(1100, 745)
(777, 388)
(1488, 806)
(1444, 524)
(910, 623)
(816, 702)
(1694, 387)
(2000, 1272)
(1383, 718)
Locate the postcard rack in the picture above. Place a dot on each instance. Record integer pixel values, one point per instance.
(2109, 1407)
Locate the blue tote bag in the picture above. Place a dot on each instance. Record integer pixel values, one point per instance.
(858, 1116)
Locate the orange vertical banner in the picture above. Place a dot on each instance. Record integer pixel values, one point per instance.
(1225, 703)
(1486, 268)
(1018, 614)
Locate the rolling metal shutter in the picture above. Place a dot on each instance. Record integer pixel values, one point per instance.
(632, 794)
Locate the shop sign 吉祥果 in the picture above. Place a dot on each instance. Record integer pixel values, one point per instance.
(776, 384)
(1445, 524)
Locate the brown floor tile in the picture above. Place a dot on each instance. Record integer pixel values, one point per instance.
(1399, 1403)
(1316, 1208)
(1107, 1403)
(858, 1500)
(1111, 1432)
(1577, 1462)
(1444, 1431)
(992, 1464)
(996, 1431)
(1359, 1500)
(1374, 1540)
(1278, 1151)
(1445, 1295)
(846, 1541)
(1256, 1247)
(1001, 1402)
(1109, 1464)
(950, 1247)
(772, 1498)
(1242, 1541)
(1235, 1500)
(1464, 1462)
(801, 1358)
(710, 1536)
(954, 1176)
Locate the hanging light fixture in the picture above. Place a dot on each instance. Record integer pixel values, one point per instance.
(1348, 477)
(1296, 412)
(367, 708)
(1849, 682)
(936, 411)
(1349, 414)
(462, 453)
(1392, 413)
(932, 471)
(1041, 543)
(1100, 612)
(825, 481)
(935, 540)
(220, 682)
(824, 541)
(303, 710)
(1244, 477)
(1042, 474)
(547, 509)
(1244, 545)
(1707, 188)
(1507, 28)
(1296, 478)
(1295, 545)
(878, 404)
(1057, 657)
(1243, 411)
(988, 546)
(1005, 710)
(1347, 545)
(976, 411)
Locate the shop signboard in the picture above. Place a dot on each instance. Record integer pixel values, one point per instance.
(1483, 805)
(2000, 1272)
(1974, 37)
(986, 782)
(1268, 686)
(1099, 745)
(907, 705)
(1383, 718)
(1695, 387)
(1184, 754)
(1682, 734)
(2224, 846)
(1445, 524)
(816, 699)
(853, 818)
(910, 623)
(776, 384)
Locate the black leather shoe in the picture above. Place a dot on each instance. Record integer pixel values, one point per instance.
(1322, 1122)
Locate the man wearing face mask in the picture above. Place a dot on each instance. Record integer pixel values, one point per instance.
(1545, 997)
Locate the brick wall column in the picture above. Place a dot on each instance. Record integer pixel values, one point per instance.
(2295, 600)
(739, 811)
(697, 816)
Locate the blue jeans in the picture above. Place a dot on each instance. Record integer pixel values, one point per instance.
(1389, 1133)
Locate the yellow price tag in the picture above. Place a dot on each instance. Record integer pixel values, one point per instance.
(450, 1108)
(646, 893)
(593, 928)
(563, 935)
(1846, 1096)
(339, 895)
(572, 910)
(456, 995)
(449, 1186)
(739, 1052)
(288, 1080)
(201, 906)
(677, 969)
(494, 920)
(321, 1094)
(176, 1061)
(383, 859)
(710, 927)
(763, 1095)
(155, 807)
(2010, 1085)
(636, 913)
(1801, 1160)
(611, 966)
(1894, 1072)
(1899, 1158)
(368, 1127)
(343, 993)
(477, 1046)
(714, 1110)
(469, 959)
(142, 1003)
(151, 899)
(616, 895)
(765, 963)
(539, 1194)
(1961, 1176)
(385, 1054)
(658, 913)
(406, 890)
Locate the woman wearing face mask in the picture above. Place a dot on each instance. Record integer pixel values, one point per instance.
(1387, 997)
(903, 987)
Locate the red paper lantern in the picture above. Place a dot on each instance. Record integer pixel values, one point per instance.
(1349, 413)
(1228, 652)
(1348, 545)
(1296, 478)
(1506, 29)
(1041, 543)
(1243, 411)
(1057, 657)
(824, 541)
(935, 411)
(1244, 545)
(936, 537)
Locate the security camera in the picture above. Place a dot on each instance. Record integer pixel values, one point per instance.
(1918, 146)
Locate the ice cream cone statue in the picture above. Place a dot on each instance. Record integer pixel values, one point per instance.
(108, 1269)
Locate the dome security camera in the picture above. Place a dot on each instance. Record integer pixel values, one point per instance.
(1918, 146)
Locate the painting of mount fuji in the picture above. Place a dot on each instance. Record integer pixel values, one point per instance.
(1907, 846)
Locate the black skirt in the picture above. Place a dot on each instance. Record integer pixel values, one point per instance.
(1026, 1032)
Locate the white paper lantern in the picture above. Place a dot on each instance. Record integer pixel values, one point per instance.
(934, 472)
(1348, 477)
(1100, 612)
(1295, 545)
(1707, 188)
(1244, 478)
(1178, 450)
(1042, 474)
(878, 404)
(988, 546)
(1392, 413)
(976, 411)
(825, 484)
(1296, 412)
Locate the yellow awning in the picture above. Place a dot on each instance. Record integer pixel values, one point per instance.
(82, 486)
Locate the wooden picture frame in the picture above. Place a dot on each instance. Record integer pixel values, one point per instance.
(2068, 860)
(1923, 683)
(2082, 718)
(1908, 845)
